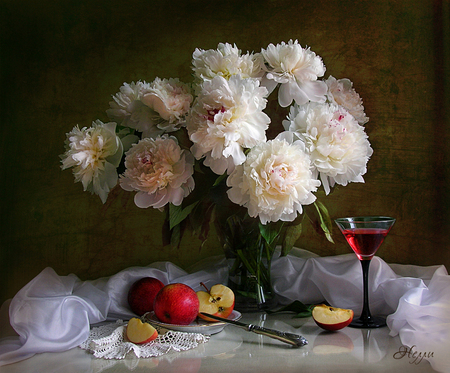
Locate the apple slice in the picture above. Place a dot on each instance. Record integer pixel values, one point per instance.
(219, 301)
(139, 332)
(331, 318)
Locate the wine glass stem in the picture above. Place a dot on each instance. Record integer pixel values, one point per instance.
(365, 315)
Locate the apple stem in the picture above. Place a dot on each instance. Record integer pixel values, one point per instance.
(202, 284)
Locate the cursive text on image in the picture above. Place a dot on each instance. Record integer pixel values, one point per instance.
(414, 356)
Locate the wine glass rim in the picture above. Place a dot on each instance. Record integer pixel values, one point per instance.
(361, 219)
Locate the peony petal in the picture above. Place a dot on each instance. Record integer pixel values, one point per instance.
(270, 84)
(274, 181)
(155, 103)
(226, 118)
(297, 93)
(315, 90)
(94, 154)
(218, 166)
(160, 199)
(176, 196)
(117, 157)
(110, 177)
(159, 171)
(235, 152)
(284, 95)
(129, 140)
(125, 184)
(143, 200)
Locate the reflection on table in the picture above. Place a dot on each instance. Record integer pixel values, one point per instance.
(235, 350)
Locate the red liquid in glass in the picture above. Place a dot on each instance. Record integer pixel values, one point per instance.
(365, 241)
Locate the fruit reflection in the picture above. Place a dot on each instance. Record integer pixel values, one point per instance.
(332, 343)
(180, 365)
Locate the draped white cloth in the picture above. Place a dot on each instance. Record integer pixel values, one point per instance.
(55, 313)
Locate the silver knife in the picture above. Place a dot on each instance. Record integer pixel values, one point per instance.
(290, 338)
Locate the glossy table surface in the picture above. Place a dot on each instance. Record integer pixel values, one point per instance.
(236, 350)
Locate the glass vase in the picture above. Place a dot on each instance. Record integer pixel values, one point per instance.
(249, 247)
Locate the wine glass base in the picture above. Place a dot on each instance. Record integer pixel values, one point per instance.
(374, 322)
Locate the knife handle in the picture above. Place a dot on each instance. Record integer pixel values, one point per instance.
(293, 339)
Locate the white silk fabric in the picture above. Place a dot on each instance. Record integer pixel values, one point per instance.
(55, 313)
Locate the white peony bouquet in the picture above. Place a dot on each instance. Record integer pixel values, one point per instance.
(201, 150)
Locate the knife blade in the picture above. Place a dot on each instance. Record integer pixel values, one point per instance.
(290, 338)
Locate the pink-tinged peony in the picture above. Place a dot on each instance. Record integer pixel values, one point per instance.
(337, 145)
(171, 100)
(226, 118)
(297, 70)
(341, 92)
(274, 182)
(128, 110)
(226, 61)
(94, 153)
(159, 171)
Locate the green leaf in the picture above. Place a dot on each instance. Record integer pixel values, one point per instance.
(291, 235)
(200, 219)
(247, 294)
(306, 313)
(325, 221)
(320, 219)
(166, 232)
(251, 267)
(219, 179)
(299, 308)
(270, 232)
(177, 213)
(175, 237)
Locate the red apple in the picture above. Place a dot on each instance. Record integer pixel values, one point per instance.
(142, 294)
(139, 332)
(331, 318)
(219, 301)
(176, 304)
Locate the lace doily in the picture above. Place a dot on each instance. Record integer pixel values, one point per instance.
(110, 342)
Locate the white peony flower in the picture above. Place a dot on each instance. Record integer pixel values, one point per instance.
(159, 171)
(274, 182)
(341, 92)
(337, 145)
(94, 153)
(297, 70)
(225, 119)
(128, 110)
(226, 61)
(171, 99)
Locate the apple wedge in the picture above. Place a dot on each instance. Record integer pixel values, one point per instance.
(139, 332)
(331, 318)
(219, 301)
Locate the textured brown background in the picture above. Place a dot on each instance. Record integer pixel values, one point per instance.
(62, 60)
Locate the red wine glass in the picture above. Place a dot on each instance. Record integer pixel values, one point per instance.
(364, 235)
